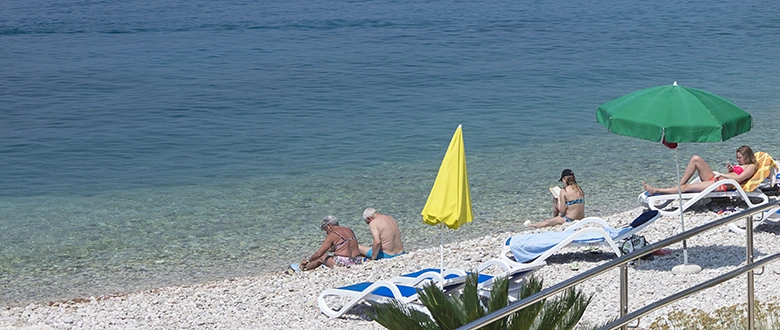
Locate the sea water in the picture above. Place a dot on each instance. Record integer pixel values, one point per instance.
(153, 143)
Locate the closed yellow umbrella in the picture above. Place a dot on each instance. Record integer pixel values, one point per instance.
(449, 202)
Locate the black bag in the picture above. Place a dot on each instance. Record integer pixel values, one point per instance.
(635, 242)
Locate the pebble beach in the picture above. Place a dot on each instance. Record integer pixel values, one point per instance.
(279, 300)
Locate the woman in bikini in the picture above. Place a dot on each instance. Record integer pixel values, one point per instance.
(740, 173)
(569, 206)
(341, 241)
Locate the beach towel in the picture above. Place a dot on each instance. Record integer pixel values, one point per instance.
(764, 165)
(527, 247)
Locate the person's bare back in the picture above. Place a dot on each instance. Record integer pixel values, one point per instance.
(386, 236)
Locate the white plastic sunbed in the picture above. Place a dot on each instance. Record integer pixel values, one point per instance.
(767, 170)
(770, 217)
(404, 288)
(660, 202)
(536, 248)
(514, 272)
(385, 291)
(380, 291)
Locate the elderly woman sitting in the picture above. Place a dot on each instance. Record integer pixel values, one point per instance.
(341, 241)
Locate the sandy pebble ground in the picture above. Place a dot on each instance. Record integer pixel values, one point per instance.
(281, 301)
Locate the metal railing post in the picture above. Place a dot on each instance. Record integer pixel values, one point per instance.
(749, 260)
(624, 291)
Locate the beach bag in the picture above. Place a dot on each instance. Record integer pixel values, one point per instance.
(634, 242)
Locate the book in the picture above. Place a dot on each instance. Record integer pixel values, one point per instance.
(555, 191)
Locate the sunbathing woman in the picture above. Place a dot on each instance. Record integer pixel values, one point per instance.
(740, 173)
(569, 206)
(339, 240)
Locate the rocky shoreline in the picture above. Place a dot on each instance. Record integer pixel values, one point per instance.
(279, 300)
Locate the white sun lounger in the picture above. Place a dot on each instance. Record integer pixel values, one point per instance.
(536, 248)
(385, 291)
(435, 275)
(404, 288)
(455, 275)
(660, 202)
(514, 272)
(768, 170)
(381, 291)
(769, 217)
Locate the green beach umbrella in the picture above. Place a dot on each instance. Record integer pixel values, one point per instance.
(671, 114)
(674, 114)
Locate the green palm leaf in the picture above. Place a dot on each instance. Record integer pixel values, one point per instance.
(552, 313)
(471, 302)
(452, 311)
(499, 297)
(448, 312)
(524, 318)
(395, 315)
(576, 303)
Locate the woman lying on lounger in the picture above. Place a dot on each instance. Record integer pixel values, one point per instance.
(740, 173)
(569, 206)
(339, 240)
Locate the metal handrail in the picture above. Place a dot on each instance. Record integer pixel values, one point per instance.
(623, 261)
(687, 292)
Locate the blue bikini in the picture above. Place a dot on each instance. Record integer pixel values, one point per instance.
(573, 202)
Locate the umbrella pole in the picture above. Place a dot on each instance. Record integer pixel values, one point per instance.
(685, 268)
(441, 255)
(679, 194)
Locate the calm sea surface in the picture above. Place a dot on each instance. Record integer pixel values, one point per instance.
(151, 143)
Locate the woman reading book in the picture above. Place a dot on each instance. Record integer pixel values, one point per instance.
(568, 203)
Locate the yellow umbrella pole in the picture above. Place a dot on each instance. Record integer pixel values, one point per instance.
(441, 255)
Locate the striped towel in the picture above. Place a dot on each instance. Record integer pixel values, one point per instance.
(764, 165)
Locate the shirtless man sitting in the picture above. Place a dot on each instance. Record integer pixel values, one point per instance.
(387, 237)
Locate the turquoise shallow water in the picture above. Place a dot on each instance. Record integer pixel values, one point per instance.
(142, 238)
(174, 142)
